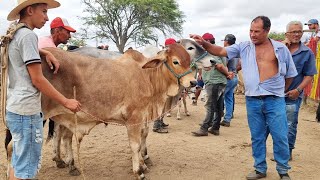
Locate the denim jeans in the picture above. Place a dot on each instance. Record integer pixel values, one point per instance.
(268, 113)
(214, 106)
(27, 136)
(229, 98)
(292, 109)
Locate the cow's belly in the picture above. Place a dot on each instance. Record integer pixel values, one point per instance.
(83, 125)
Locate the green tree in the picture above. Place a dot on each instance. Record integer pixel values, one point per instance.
(138, 21)
(277, 36)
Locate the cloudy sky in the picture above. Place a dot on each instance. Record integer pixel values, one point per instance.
(217, 17)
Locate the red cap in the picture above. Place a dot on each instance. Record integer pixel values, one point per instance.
(169, 41)
(61, 22)
(207, 36)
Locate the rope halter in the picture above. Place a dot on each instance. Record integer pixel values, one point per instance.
(194, 65)
(178, 76)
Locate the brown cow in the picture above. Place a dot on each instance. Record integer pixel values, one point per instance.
(62, 133)
(108, 91)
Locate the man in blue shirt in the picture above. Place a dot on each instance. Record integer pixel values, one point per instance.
(268, 70)
(229, 40)
(304, 61)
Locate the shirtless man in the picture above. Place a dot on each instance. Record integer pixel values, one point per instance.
(268, 70)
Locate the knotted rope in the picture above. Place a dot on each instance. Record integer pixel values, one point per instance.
(4, 59)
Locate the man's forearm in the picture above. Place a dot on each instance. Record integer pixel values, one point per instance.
(306, 80)
(288, 82)
(223, 69)
(214, 49)
(43, 52)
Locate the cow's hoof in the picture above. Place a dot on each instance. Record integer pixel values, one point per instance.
(146, 157)
(148, 162)
(61, 164)
(74, 172)
(178, 118)
(187, 113)
(142, 177)
(147, 170)
(168, 115)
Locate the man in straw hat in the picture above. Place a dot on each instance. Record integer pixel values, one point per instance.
(23, 109)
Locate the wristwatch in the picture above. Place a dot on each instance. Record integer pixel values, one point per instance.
(299, 90)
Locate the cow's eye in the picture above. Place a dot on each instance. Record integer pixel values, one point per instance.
(190, 48)
(175, 62)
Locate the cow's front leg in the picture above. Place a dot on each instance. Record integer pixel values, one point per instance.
(135, 138)
(179, 109)
(169, 114)
(67, 140)
(185, 105)
(57, 146)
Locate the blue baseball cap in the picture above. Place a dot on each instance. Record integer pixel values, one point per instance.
(312, 21)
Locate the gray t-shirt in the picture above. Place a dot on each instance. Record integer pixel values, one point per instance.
(23, 98)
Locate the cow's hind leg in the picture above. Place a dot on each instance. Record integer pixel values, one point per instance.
(57, 146)
(135, 139)
(144, 151)
(67, 140)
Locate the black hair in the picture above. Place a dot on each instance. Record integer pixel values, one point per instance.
(212, 41)
(265, 20)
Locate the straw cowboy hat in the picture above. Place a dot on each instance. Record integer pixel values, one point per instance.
(15, 13)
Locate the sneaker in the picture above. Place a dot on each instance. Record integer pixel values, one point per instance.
(284, 176)
(164, 125)
(214, 132)
(256, 175)
(225, 123)
(160, 130)
(200, 132)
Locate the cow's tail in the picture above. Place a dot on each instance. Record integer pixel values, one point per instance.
(50, 131)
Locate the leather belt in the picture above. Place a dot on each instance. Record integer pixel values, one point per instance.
(263, 96)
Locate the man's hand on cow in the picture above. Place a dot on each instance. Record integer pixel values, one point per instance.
(52, 62)
(73, 105)
(197, 38)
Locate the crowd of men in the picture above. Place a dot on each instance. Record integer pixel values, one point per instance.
(275, 74)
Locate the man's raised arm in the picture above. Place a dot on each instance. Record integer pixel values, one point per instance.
(211, 48)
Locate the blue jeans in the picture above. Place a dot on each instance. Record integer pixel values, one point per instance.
(292, 109)
(268, 113)
(27, 136)
(229, 98)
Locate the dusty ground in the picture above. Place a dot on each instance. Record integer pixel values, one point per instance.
(178, 155)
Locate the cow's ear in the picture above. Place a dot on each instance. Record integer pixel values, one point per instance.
(153, 63)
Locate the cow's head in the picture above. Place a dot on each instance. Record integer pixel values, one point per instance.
(176, 60)
(198, 54)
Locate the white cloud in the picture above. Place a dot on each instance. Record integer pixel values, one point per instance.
(217, 17)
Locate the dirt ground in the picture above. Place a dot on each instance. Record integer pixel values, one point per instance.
(105, 153)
